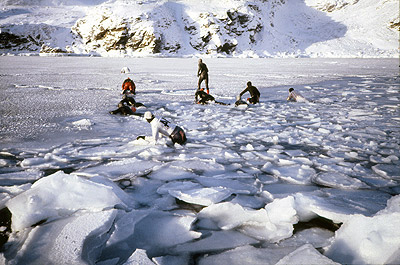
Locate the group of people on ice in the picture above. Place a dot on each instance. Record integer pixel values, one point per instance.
(161, 126)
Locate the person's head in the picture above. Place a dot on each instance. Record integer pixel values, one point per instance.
(291, 89)
(249, 83)
(148, 116)
(200, 61)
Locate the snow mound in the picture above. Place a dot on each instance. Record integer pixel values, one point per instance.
(369, 242)
(74, 194)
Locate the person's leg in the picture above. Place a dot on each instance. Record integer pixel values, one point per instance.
(206, 80)
(178, 136)
(199, 83)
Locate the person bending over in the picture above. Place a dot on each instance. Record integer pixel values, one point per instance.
(202, 97)
(127, 106)
(254, 93)
(161, 127)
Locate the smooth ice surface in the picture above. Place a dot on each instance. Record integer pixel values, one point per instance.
(241, 187)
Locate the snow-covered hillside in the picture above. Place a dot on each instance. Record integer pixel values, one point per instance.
(260, 28)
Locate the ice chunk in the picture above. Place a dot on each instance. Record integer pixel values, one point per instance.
(317, 237)
(178, 186)
(219, 240)
(388, 171)
(298, 174)
(293, 153)
(18, 178)
(369, 240)
(125, 168)
(342, 204)
(236, 186)
(59, 195)
(202, 196)
(273, 223)
(306, 254)
(338, 180)
(159, 231)
(168, 173)
(207, 167)
(139, 257)
(172, 260)
(73, 240)
(84, 124)
(248, 255)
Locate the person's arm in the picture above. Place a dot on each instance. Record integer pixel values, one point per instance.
(244, 91)
(154, 129)
(199, 70)
(291, 96)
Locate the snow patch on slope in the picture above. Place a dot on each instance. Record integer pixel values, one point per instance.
(277, 28)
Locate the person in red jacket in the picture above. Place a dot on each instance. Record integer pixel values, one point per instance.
(128, 86)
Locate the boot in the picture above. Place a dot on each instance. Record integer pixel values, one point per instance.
(208, 91)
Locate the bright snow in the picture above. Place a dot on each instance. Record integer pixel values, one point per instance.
(238, 28)
(265, 184)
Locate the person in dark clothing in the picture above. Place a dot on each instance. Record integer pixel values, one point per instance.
(128, 86)
(127, 106)
(254, 93)
(202, 73)
(202, 97)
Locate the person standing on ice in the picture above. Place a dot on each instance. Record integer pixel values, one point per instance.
(295, 96)
(254, 93)
(202, 73)
(128, 86)
(161, 127)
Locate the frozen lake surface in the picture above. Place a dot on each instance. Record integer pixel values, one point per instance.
(246, 188)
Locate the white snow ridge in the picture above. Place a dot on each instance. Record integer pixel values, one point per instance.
(262, 28)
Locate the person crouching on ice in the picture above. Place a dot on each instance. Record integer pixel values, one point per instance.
(254, 93)
(295, 97)
(128, 85)
(161, 127)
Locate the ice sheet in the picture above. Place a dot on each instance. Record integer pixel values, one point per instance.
(256, 172)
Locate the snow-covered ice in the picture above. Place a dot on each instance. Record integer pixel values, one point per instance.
(277, 182)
